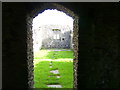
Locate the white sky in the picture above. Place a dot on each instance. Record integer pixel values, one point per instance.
(52, 17)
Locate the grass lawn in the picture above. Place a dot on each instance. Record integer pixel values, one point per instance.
(42, 70)
(48, 54)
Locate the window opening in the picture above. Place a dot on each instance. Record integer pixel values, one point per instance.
(56, 36)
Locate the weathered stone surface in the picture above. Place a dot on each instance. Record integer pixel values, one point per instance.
(54, 71)
(55, 86)
(55, 76)
(46, 37)
(58, 76)
(50, 66)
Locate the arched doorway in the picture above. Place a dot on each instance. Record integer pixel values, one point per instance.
(30, 17)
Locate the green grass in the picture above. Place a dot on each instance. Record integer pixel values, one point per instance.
(48, 54)
(41, 73)
(42, 70)
(66, 73)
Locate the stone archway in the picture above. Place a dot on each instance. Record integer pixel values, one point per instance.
(30, 17)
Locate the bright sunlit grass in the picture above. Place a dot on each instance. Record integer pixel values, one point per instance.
(42, 70)
(41, 73)
(48, 54)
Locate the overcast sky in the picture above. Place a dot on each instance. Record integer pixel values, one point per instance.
(52, 17)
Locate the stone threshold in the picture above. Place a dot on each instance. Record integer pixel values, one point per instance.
(54, 85)
(54, 71)
(57, 76)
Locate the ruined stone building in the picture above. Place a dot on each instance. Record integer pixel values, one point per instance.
(96, 45)
(53, 36)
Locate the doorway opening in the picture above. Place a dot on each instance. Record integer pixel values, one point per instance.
(53, 54)
(56, 39)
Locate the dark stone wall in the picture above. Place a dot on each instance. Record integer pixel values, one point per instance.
(14, 60)
(98, 46)
(98, 64)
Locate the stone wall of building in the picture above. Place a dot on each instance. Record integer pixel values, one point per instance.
(53, 36)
